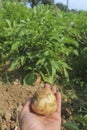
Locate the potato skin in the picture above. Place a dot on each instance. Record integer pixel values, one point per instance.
(44, 102)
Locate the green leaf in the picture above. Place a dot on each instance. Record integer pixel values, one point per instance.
(29, 79)
(9, 23)
(47, 79)
(15, 46)
(50, 73)
(15, 64)
(22, 59)
(48, 68)
(81, 119)
(71, 126)
(66, 73)
(40, 61)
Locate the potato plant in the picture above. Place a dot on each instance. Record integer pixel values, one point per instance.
(41, 43)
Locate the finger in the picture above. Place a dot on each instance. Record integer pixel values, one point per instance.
(26, 108)
(53, 89)
(58, 98)
(47, 85)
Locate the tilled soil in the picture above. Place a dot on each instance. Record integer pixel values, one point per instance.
(12, 99)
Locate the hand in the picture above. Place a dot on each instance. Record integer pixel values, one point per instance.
(31, 121)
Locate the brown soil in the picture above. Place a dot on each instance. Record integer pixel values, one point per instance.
(12, 99)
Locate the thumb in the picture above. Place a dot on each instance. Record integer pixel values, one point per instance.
(26, 108)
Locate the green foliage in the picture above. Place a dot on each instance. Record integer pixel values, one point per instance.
(43, 40)
(79, 63)
(14, 11)
(32, 2)
(71, 126)
(39, 43)
(82, 119)
(30, 79)
(11, 14)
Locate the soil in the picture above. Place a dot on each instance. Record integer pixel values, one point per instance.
(12, 99)
(13, 96)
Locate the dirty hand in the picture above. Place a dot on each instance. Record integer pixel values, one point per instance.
(31, 121)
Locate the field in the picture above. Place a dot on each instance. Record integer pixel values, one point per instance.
(43, 44)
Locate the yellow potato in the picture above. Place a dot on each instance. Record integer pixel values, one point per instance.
(44, 102)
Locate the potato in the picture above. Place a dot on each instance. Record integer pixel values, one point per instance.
(44, 102)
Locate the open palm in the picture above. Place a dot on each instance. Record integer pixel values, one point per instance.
(31, 121)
